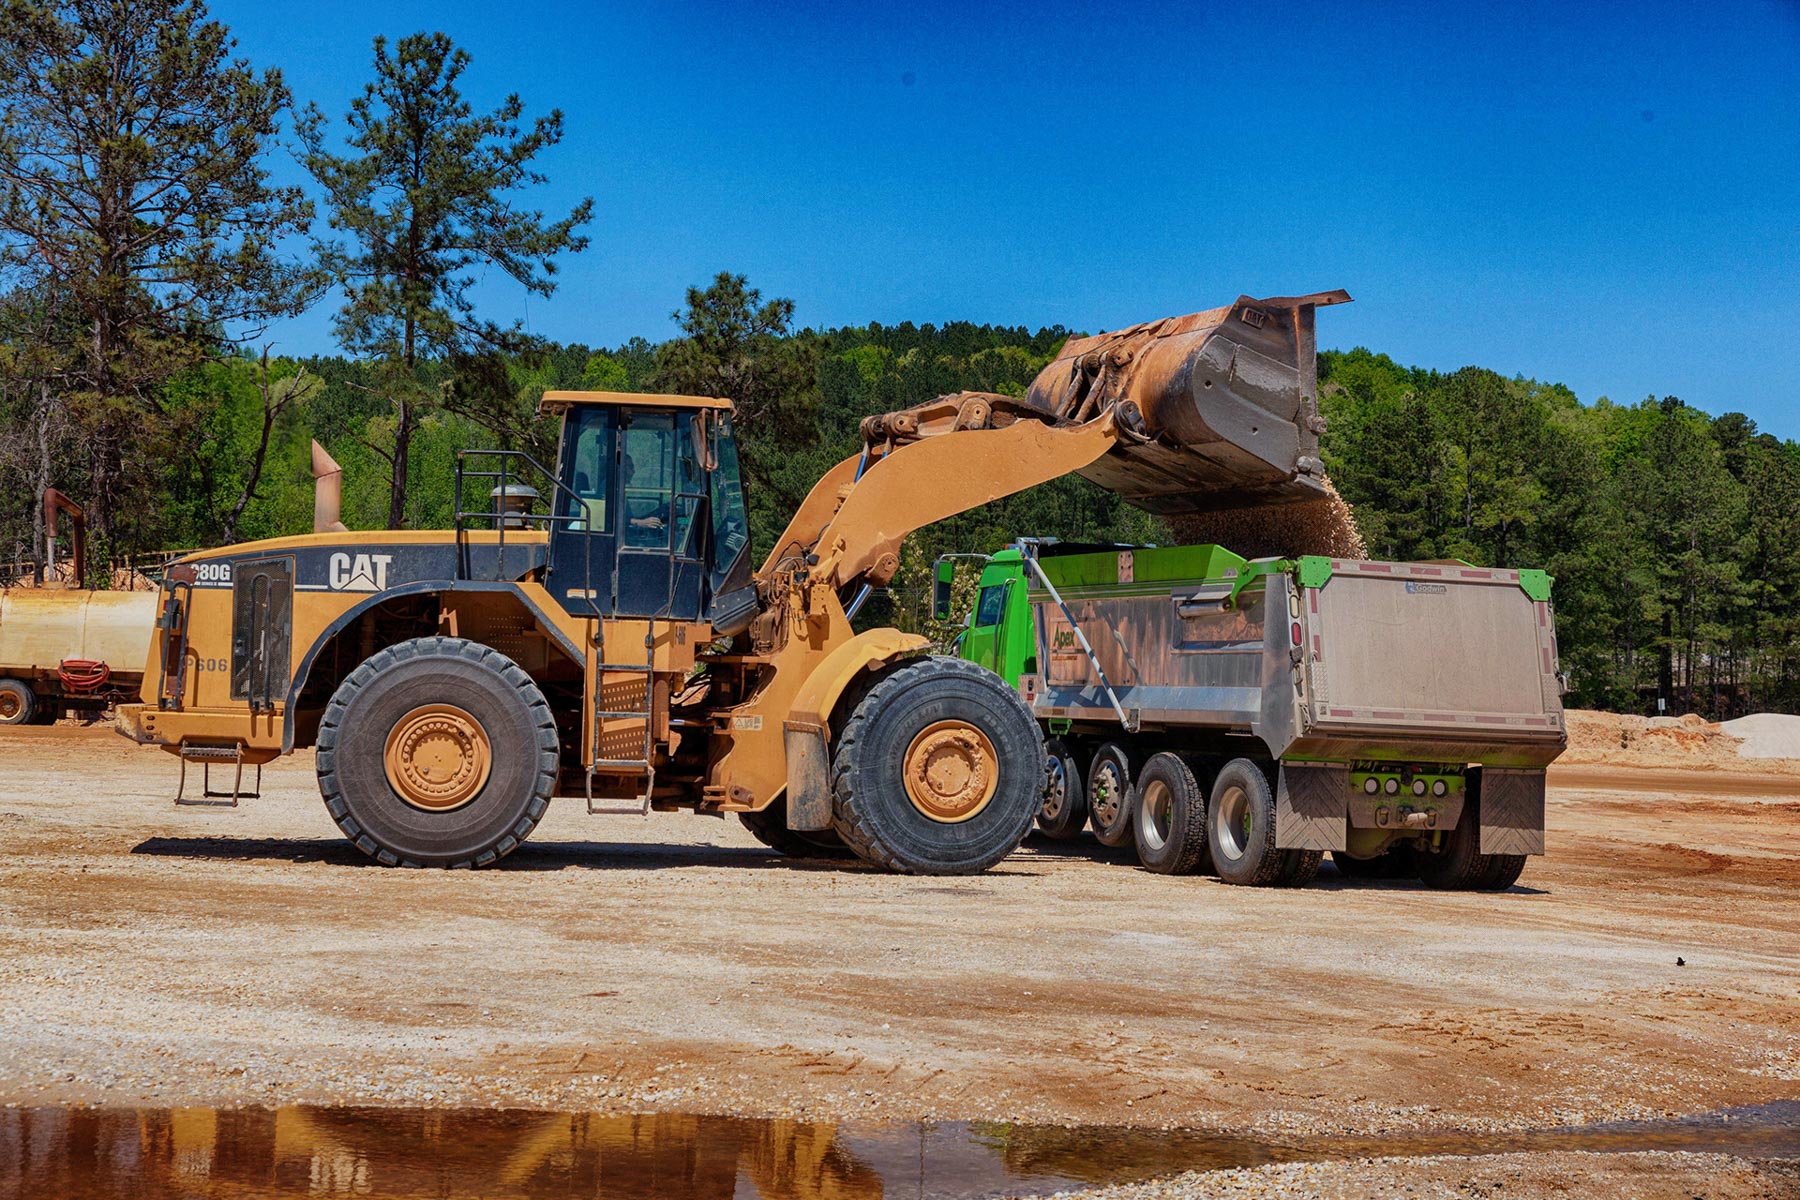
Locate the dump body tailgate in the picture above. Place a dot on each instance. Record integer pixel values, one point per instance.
(1431, 648)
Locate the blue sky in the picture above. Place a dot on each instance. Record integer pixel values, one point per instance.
(1604, 196)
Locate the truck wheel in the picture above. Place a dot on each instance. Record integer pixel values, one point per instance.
(1241, 826)
(938, 771)
(1063, 814)
(1503, 871)
(1112, 793)
(1459, 866)
(18, 704)
(770, 828)
(437, 752)
(1170, 821)
(1299, 867)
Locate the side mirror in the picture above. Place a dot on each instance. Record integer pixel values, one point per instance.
(940, 589)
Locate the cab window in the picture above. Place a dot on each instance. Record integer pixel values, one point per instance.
(987, 609)
(649, 464)
(731, 526)
(590, 477)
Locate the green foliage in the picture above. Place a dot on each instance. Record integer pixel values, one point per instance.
(426, 197)
(137, 213)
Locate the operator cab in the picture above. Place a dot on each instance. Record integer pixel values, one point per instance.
(651, 518)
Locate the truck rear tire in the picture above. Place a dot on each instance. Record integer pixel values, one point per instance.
(1240, 826)
(1459, 866)
(1170, 821)
(437, 752)
(1503, 871)
(1063, 814)
(1112, 793)
(18, 703)
(1299, 867)
(770, 828)
(938, 771)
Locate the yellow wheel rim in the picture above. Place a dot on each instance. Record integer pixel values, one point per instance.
(951, 771)
(10, 706)
(438, 757)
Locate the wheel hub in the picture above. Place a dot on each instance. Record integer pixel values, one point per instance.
(1056, 788)
(10, 706)
(1107, 793)
(438, 757)
(951, 771)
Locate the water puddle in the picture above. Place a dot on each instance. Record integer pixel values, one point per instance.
(215, 1154)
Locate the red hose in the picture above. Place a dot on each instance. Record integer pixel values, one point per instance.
(83, 674)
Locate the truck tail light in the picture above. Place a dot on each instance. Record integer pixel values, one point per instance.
(1294, 632)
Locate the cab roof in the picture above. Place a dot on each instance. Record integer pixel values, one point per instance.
(554, 402)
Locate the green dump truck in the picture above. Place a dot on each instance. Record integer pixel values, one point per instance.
(1243, 717)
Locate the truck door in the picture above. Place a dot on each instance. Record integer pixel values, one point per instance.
(984, 643)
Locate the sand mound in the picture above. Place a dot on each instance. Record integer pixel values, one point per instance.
(1689, 741)
(1766, 735)
(1325, 527)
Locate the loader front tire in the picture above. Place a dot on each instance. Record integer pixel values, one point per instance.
(437, 752)
(937, 771)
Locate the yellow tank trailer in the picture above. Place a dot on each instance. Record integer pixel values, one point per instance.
(66, 647)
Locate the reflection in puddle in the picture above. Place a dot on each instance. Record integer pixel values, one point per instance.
(215, 1154)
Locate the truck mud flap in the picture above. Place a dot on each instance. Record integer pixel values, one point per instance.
(1312, 806)
(1512, 811)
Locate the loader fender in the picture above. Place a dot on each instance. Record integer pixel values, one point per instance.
(420, 588)
(806, 732)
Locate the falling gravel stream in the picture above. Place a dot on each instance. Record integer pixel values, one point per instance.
(206, 1153)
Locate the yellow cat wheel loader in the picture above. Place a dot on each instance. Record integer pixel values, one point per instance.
(608, 637)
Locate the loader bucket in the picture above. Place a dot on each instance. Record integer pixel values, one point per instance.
(1229, 400)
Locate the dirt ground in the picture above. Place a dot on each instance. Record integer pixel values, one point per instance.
(1649, 966)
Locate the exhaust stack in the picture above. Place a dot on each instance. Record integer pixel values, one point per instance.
(54, 502)
(328, 482)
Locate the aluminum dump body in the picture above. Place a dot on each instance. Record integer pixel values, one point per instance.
(1322, 659)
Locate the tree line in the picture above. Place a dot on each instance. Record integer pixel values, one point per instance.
(145, 248)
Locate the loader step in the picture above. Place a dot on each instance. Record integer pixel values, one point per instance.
(206, 756)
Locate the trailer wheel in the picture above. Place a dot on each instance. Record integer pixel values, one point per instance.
(1063, 814)
(437, 752)
(1241, 826)
(769, 827)
(1170, 821)
(938, 771)
(1112, 793)
(18, 704)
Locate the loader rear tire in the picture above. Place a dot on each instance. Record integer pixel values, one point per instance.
(1240, 826)
(437, 752)
(1170, 821)
(1063, 814)
(938, 770)
(18, 703)
(1112, 793)
(769, 827)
